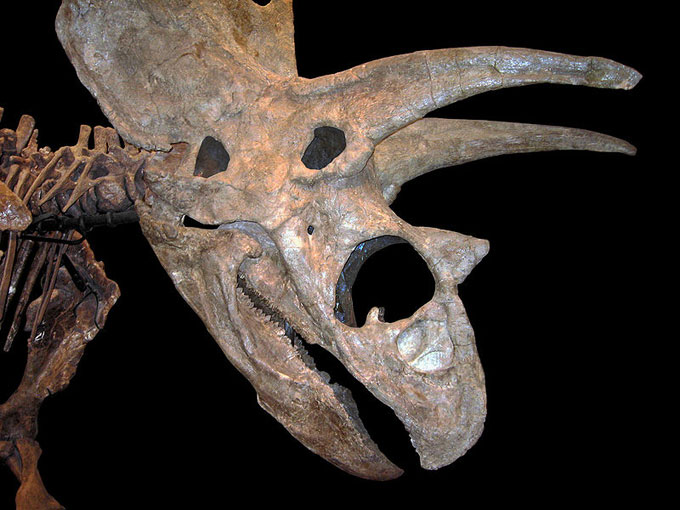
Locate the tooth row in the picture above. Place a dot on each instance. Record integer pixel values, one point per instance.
(282, 327)
(275, 321)
(244, 297)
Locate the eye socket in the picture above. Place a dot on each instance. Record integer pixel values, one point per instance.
(328, 143)
(212, 158)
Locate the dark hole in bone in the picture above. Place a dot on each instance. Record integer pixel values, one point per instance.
(310, 229)
(77, 172)
(328, 144)
(212, 158)
(262, 2)
(188, 221)
(384, 272)
(98, 171)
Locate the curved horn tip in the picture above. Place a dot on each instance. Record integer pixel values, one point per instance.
(628, 149)
(605, 73)
(605, 143)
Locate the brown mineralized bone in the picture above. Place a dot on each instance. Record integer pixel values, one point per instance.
(14, 215)
(64, 184)
(72, 307)
(34, 272)
(297, 190)
(74, 180)
(22, 457)
(71, 318)
(78, 180)
(24, 132)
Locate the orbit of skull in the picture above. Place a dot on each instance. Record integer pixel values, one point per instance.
(290, 181)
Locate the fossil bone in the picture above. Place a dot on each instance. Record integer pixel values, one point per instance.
(139, 62)
(146, 65)
(211, 88)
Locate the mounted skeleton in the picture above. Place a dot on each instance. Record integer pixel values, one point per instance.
(296, 176)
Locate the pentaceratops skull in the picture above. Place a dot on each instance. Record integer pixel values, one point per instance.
(295, 177)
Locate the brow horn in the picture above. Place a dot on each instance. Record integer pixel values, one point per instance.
(387, 94)
(430, 144)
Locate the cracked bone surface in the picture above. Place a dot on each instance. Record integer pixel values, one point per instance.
(303, 173)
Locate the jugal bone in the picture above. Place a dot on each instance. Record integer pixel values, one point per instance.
(262, 193)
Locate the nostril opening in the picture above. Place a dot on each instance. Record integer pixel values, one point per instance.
(387, 273)
(396, 279)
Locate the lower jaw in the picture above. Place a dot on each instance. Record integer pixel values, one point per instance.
(321, 414)
(258, 308)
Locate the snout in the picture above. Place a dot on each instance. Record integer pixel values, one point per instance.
(425, 367)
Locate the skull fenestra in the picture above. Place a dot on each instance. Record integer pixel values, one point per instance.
(290, 181)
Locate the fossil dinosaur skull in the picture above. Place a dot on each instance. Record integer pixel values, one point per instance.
(295, 177)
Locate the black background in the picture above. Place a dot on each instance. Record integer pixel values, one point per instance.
(156, 417)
